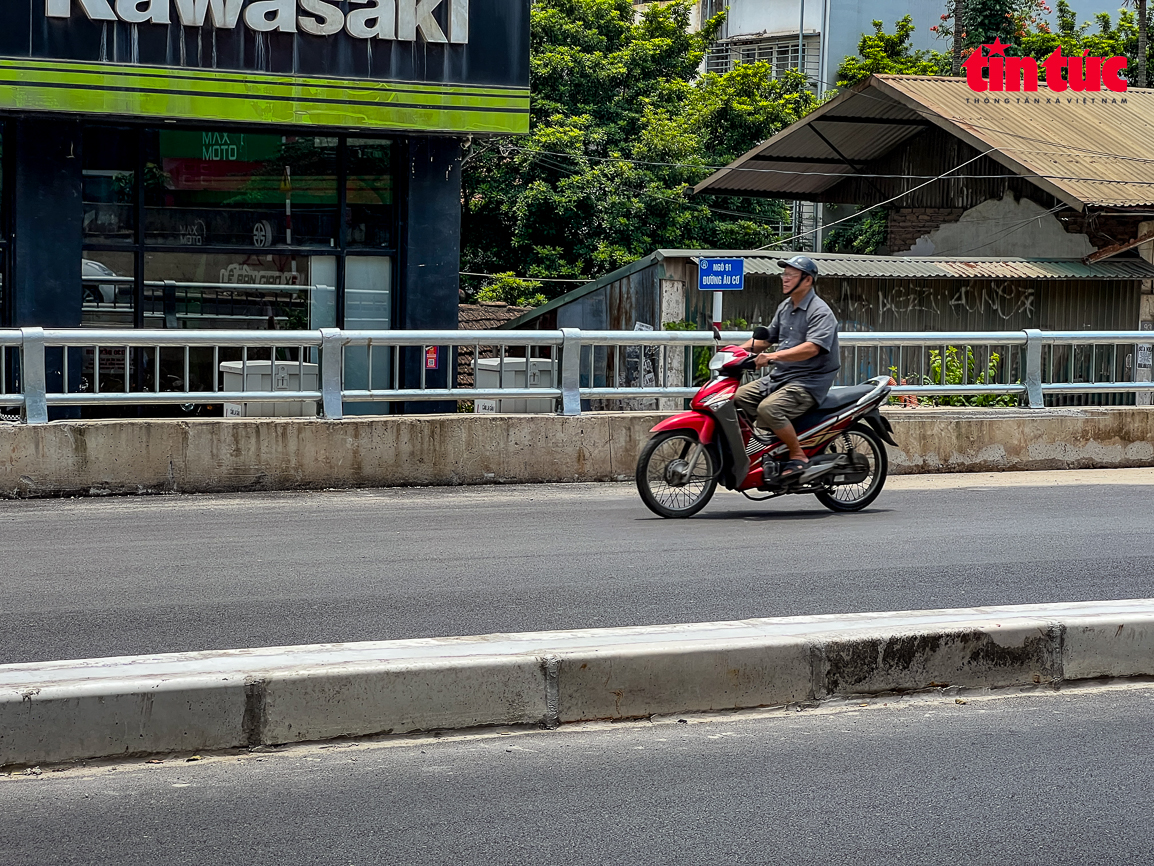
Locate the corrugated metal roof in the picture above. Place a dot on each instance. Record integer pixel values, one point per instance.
(841, 265)
(619, 274)
(1089, 150)
(937, 267)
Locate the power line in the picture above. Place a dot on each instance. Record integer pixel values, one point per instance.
(531, 279)
(713, 168)
(925, 112)
(929, 180)
(888, 201)
(762, 218)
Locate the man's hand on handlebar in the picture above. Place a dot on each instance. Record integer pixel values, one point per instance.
(759, 341)
(763, 360)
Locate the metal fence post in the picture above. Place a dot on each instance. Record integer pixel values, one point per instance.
(332, 361)
(571, 372)
(170, 320)
(1034, 368)
(32, 377)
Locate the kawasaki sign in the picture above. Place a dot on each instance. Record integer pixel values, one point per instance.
(368, 19)
(420, 65)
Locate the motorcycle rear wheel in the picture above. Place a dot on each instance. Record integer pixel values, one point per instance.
(657, 470)
(855, 497)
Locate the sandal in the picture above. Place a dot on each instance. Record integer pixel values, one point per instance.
(791, 469)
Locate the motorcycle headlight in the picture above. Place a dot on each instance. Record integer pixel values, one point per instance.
(719, 360)
(716, 401)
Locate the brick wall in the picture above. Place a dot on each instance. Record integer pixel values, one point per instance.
(1103, 229)
(907, 224)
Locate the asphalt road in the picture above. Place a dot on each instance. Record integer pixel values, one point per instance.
(1042, 778)
(101, 577)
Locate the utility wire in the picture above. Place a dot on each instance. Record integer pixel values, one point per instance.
(882, 203)
(925, 112)
(1066, 148)
(682, 201)
(532, 279)
(715, 168)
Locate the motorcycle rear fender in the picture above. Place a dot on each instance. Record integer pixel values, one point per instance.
(701, 424)
(881, 425)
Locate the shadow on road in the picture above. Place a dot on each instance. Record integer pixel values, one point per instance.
(772, 515)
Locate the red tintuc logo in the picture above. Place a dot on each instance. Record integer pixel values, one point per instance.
(995, 72)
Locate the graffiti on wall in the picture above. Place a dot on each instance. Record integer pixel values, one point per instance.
(997, 299)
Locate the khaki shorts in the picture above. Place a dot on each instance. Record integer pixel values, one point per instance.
(775, 411)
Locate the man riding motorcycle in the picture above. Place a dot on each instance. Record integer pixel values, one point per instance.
(806, 361)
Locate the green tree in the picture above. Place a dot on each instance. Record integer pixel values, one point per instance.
(1142, 48)
(890, 54)
(621, 126)
(984, 21)
(1107, 39)
(508, 289)
(862, 235)
(1022, 24)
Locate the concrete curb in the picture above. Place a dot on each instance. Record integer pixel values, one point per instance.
(72, 710)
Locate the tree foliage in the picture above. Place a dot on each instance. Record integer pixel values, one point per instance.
(1108, 38)
(862, 235)
(985, 20)
(1023, 25)
(621, 125)
(890, 54)
(508, 289)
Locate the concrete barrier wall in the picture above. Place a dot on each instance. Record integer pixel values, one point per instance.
(111, 457)
(73, 710)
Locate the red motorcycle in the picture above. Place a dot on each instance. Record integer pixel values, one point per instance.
(689, 454)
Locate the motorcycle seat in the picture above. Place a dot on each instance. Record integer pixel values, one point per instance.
(836, 399)
(840, 397)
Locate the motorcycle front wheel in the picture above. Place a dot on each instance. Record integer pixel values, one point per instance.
(855, 497)
(668, 485)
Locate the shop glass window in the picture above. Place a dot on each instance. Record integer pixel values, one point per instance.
(370, 215)
(245, 290)
(107, 286)
(221, 188)
(109, 191)
(368, 305)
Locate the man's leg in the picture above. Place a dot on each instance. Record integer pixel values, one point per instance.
(789, 436)
(777, 412)
(749, 397)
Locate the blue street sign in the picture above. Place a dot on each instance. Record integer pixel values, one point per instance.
(721, 275)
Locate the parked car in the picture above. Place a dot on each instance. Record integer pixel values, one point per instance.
(115, 293)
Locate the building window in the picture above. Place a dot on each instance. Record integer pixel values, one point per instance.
(220, 188)
(370, 212)
(221, 228)
(109, 188)
(780, 52)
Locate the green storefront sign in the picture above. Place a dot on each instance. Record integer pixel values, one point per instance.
(419, 65)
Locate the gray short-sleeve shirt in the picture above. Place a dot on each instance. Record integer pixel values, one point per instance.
(811, 321)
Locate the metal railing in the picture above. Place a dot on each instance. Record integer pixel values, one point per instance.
(175, 301)
(327, 368)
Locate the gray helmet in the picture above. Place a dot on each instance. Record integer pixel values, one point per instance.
(803, 263)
